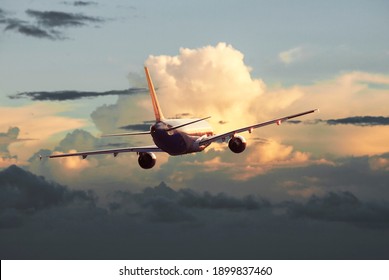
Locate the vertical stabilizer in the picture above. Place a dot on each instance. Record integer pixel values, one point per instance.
(157, 109)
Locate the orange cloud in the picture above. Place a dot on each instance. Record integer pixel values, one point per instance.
(38, 121)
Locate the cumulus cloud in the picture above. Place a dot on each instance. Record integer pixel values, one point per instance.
(36, 121)
(379, 162)
(219, 75)
(70, 168)
(6, 139)
(342, 100)
(99, 171)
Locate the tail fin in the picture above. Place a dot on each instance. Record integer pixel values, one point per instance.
(157, 109)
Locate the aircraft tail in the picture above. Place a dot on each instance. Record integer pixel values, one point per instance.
(157, 109)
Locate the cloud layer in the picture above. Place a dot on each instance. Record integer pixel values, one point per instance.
(23, 193)
(161, 223)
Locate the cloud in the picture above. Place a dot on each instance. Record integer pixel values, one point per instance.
(25, 28)
(134, 108)
(191, 199)
(343, 207)
(379, 162)
(38, 121)
(72, 94)
(357, 120)
(47, 23)
(290, 56)
(207, 73)
(347, 95)
(137, 127)
(81, 3)
(183, 224)
(361, 121)
(69, 168)
(23, 193)
(6, 139)
(61, 19)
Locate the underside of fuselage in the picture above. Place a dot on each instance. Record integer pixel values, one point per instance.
(180, 141)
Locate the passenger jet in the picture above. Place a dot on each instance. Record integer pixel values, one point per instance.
(180, 136)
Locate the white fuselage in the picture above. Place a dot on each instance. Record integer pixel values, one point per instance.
(182, 140)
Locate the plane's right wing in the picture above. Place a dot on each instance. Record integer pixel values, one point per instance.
(115, 152)
(209, 140)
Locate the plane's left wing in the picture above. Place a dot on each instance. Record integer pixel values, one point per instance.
(115, 152)
(209, 140)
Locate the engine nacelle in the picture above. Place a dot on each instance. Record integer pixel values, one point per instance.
(237, 144)
(147, 160)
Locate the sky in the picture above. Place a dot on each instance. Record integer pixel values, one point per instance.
(316, 187)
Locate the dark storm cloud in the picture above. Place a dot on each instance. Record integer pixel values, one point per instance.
(191, 199)
(163, 204)
(357, 120)
(162, 223)
(61, 19)
(342, 207)
(64, 95)
(23, 193)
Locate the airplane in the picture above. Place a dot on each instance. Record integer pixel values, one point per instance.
(179, 136)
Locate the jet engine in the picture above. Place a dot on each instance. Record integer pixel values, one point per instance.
(237, 144)
(147, 160)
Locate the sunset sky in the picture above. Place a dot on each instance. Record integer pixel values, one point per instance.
(73, 70)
